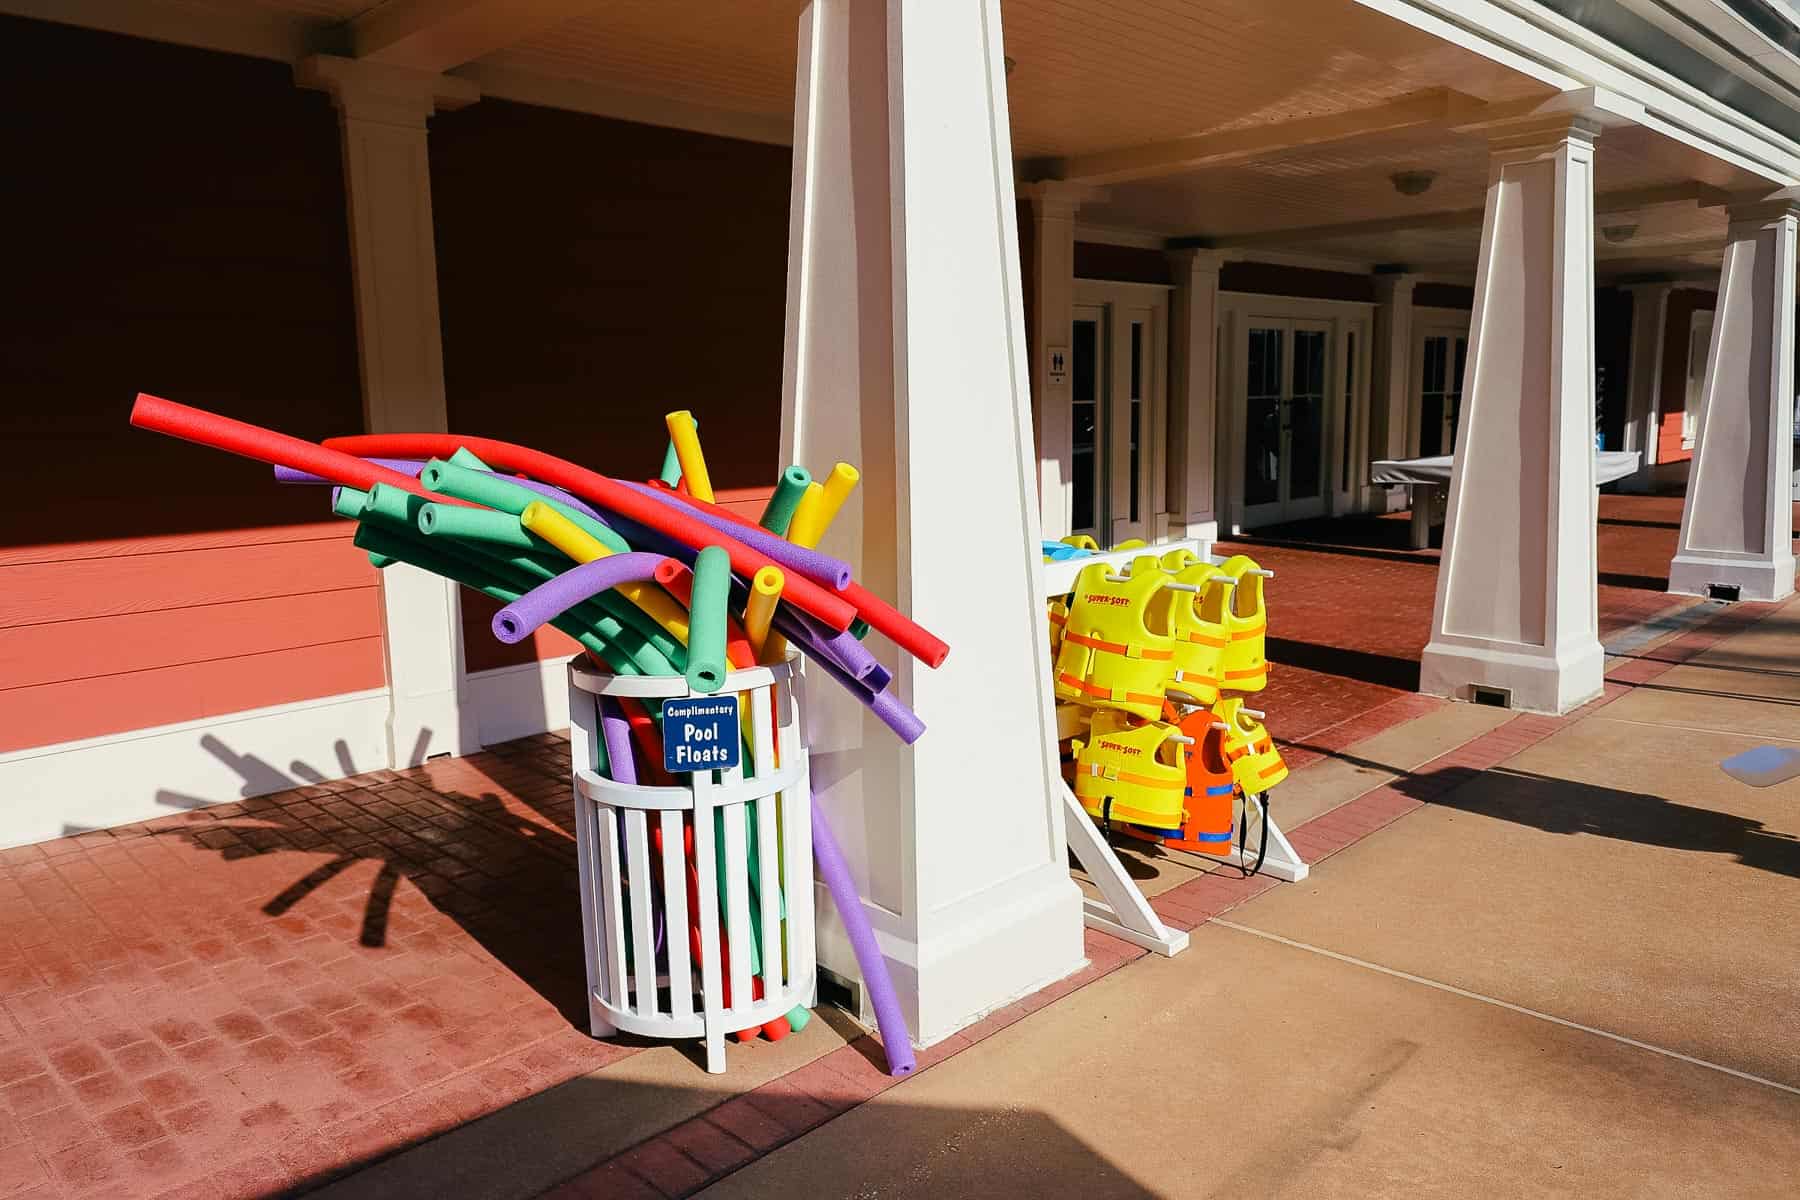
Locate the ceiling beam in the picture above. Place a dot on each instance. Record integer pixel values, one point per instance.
(1436, 106)
(1606, 203)
(436, 35)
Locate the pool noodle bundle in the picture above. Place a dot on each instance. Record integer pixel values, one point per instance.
(438, 502)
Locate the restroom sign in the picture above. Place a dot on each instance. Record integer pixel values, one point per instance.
(1056, 365)
(701, 733)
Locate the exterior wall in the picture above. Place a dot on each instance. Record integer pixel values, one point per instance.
(1672, 399)
(177, 227)
(594, 274)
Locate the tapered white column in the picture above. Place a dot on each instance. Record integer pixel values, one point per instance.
(906, 355)
(1649, 317)
(1193, 400)
(1737, 524)
(1053, 206)
(1391, 425)
(1516, 605)
(387, 177)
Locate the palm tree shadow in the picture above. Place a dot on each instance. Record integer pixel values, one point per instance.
(503, 872)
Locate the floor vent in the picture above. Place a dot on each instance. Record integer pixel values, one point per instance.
(1722, 591)
(1493, 697)
(842, 993)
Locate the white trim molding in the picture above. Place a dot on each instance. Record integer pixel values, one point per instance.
(96, 783)
(518, 701)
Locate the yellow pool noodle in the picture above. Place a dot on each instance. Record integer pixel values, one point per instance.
(759, 610)
(581, 546)
(838, 486)
(805, 529)
(686, 436)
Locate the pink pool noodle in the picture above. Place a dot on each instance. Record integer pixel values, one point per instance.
(554, 597)
(822, 569)
(896, 1041)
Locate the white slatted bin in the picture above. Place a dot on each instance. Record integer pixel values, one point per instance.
(643, 975)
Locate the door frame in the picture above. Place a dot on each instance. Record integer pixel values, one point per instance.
(1237, 310)
(1153, 299)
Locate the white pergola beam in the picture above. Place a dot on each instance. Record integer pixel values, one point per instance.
(1435, 106)
(436, 35)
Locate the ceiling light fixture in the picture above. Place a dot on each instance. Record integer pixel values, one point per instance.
(1413, 183)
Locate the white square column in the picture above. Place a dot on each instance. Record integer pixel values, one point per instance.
(1517, 599)
(1737, 523)
(906, 356)
(1053, 206)
(1193, 400)
(1649, 317)
(382, 112)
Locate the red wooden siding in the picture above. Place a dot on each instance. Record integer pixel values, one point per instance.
(1683, 304)
(183, 233)
(642, 272)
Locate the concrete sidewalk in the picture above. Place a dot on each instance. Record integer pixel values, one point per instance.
(1572, 971)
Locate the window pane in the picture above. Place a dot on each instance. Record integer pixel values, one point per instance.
(1262, 418)
(1306, 416)
(1083, 469)
(1349, 404)
(1137, 396)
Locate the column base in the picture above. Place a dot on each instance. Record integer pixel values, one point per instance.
(999, 949)
(1696, 574)
(1538, 680)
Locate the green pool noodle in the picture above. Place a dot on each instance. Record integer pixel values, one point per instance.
(859, 629)
(463, 458)
(783, 500)
(706, 623)
(348, 502)
(494, 491)
(671, 471)
(484, 525)
(392, 544)
(389, 507)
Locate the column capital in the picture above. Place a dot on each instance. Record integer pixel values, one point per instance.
(1758, 209)
(1393, 287)
(388, 95)
(1197, 260)
(1057, 198)
(1648, 287)
(1529, 127)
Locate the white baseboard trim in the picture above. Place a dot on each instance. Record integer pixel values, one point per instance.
(95, 783)
(518, 701)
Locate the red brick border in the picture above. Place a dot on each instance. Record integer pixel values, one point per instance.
(702, 1150)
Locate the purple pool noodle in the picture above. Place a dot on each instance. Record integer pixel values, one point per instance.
(845, 648)
(406, 466)
(822, 569)
(554, 597)
(895, 715)
(556, 493)
(617, 732)
(896, 1041)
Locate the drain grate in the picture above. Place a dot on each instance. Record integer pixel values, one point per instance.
(1722, 591)
(1493, 697)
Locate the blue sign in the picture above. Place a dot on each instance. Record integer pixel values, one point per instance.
(701, 733)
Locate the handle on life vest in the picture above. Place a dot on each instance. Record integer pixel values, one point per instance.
(1255, 714)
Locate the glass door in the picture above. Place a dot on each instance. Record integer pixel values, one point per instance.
(1441, 356)
(1087, 392)
(1131, 457)
(1286, 396)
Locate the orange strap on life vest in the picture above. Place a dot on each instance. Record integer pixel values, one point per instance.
(1167, 785)
(1124, 651)
(1094, 689)
(1240, 634)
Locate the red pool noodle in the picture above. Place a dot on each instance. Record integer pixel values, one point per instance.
(265, 445)
(883, 617)
(607, 493)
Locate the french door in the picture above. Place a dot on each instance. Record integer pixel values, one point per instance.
(1439, 358)
(1118, 355)
(1286, 385)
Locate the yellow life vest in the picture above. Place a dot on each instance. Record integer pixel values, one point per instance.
(1111, 657)
(1199, 643)
(1244, 668)
(1255, 763)
(1081, 541)
(1136, 774)
(1059, 618)
(1130, 544)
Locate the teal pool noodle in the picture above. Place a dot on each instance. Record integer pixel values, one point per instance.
(859, 629)
(393, 544)
(484, 525)
(706, 621)
(494, 491)
(463, 458)
(782, 502)
(671, 472)
(348, 502)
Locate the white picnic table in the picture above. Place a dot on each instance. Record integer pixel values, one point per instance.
(1429, 481)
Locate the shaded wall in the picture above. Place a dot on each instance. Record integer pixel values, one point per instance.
(1683, 304)
(594, 274)
(175, 225)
